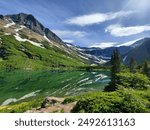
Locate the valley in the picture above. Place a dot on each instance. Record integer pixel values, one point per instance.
(35, 64)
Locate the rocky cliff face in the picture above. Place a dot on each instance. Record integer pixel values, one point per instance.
(32, 23)
(49, 34)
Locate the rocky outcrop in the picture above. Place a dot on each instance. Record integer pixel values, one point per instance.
(50, 35)
(29, 21)
(51, 101)
(53, 105)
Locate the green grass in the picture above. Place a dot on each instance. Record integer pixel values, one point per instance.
(22, 107)
(24, 55)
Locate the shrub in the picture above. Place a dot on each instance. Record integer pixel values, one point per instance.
(133, 80)
(125, 101)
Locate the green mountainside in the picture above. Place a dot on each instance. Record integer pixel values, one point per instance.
(23, 55)
(26, 44)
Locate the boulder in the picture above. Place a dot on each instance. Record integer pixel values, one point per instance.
(51, 101)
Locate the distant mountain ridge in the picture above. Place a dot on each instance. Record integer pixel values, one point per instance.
(107, 52)
(141, 52)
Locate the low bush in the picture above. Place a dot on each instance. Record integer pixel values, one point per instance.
(121, 101)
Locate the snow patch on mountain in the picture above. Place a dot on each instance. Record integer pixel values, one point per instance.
(83, 57)
(9, 24)
(47, 39)
(18, 29)
(124, 59)
(18, 38)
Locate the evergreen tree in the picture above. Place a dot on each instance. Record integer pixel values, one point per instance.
(132, 65)
(115, 68)
(146, 69)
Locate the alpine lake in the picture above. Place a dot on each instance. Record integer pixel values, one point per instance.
(16, 86)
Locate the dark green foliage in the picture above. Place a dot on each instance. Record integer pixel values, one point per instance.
(115, 68)
(132, 65)
(131, 104)
(133, 80)
(125, 101)
(146, 69)
(1, 31)
(69, 100)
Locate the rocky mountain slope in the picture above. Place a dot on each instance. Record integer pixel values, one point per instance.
(140, 52)
(32, 23)
(26, 43)
(105, 54)
(92, 57)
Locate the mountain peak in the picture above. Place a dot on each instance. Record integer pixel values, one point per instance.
(18, 18)
(29, 21)
(22, 14)
(32, 23)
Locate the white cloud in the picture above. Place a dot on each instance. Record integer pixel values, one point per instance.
(68, 40)
(97, 18)
(68, 33)
(104, 45)
(118, 30)
(140, 6)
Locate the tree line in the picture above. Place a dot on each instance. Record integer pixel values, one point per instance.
(128, 76)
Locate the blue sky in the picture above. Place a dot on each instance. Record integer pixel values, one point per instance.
(97, 23)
